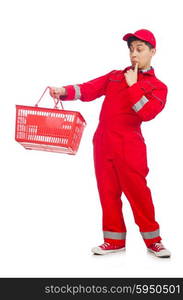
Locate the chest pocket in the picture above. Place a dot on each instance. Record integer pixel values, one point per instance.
(115, 85)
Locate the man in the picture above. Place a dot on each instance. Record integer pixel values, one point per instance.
(132, 96)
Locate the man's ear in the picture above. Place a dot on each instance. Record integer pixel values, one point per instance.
(153, 51)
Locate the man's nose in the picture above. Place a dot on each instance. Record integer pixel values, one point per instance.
(134, 53)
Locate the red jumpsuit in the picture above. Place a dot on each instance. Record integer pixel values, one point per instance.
(119, 148)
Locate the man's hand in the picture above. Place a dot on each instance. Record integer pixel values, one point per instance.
(131, 75)
(57, 92)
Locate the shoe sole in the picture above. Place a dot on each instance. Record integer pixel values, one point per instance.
(104, 252)
(160, 256)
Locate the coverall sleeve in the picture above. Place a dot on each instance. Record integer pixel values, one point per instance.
(147, 98)
(87, 91)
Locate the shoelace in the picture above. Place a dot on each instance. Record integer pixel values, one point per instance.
(105, 245)
(159, 246)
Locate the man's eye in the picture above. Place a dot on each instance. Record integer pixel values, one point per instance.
(138, 50)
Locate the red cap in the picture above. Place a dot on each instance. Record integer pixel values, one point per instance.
(144, 35)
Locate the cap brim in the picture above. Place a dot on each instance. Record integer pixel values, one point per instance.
(128, 35)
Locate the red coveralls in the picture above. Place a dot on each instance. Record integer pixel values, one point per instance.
(119, 148)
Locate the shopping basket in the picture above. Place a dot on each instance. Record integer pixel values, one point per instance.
(55, 130)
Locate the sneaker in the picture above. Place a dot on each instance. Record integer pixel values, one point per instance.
(159, 250)
(106, 248)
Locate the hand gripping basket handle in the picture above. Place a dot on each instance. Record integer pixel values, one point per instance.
(54, 99)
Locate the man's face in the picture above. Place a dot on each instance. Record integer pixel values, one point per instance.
(140, 53)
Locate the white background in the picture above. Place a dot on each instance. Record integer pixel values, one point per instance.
(50, 214)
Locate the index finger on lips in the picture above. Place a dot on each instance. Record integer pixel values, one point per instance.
(136, 67)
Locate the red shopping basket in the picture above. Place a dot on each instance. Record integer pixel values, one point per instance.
(55, 130)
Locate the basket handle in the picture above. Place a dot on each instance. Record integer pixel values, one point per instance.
(56, 101)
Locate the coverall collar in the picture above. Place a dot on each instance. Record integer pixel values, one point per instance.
(149, 71)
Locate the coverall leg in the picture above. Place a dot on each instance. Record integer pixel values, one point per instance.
(110, 192)
(122, 167)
